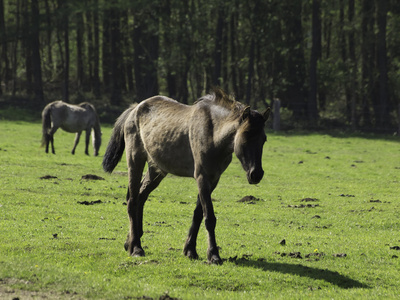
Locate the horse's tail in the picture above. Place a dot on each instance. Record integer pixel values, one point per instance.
(46, 124)
(116, 145)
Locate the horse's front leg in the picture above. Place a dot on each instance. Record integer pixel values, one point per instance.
(77, 137)
(205, 190)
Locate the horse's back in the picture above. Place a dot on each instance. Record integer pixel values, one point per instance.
(71, 118)
(162, 125)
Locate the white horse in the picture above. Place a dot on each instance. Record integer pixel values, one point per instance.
(71, 118)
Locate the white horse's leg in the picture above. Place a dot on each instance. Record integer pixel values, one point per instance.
(87, 140)
(50, 139)
(77, 136)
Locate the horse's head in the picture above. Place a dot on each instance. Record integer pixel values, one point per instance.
(249, 142)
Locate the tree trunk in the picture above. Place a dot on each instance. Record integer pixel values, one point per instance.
(96, 50)
(145, 44)
(26, 46)
(383, 117)
(79, 50)
(16, 48)
(367, 38)
(250, 72)
(36, 61)
(3, 41)
(353, 68)
(296, 72)
(65, 25)
(233, 64)
(315, 55)
(106, 46)
(49, 30)
(116, 56)
(343, 52)
(218, 48)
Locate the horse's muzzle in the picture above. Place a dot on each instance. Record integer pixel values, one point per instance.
(254, 176)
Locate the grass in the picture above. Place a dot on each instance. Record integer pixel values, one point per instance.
(332, 198)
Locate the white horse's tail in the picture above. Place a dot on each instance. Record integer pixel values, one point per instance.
(116, 145)
(46, 124)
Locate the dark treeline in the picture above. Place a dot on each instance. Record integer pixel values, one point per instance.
(322, 59)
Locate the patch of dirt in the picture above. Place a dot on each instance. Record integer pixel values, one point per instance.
(304, 206)
(90, 202)
(340, 255)
(309, 256)
(249, 200)
(163, 297)
(92, 177)
(48, 177)
(290, 254)
(315, 254)
(8, 292)
(309, 200)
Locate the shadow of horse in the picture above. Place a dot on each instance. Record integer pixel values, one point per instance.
(332, 277)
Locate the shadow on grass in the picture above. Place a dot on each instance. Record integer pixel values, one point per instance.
(304, 271)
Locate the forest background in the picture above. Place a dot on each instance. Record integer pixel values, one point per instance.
(330, 63)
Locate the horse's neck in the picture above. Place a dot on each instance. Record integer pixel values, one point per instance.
(224, 135)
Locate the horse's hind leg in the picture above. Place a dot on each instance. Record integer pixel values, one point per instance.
(51, 139)
(190, 246)
(136, 163)
(87, 139)
(151, 180)
(77, 137)
(47, 142)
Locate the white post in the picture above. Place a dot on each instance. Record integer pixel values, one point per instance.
(277, 115)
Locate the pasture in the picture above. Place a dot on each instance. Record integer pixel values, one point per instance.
(323, 223)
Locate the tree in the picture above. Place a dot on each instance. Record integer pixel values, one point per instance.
(146, 46)
(314, 57)
(36, 61)
(116, 55)
(295, 63)
(383, 116)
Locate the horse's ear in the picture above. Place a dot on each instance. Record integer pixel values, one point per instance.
(245, 113)
(266, 113)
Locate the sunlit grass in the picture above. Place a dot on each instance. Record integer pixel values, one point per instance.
(333, 199)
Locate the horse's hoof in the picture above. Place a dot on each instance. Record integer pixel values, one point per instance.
(191, 254)
(138, 252)
(215, 260)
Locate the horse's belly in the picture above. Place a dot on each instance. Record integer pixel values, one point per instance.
(176, 163)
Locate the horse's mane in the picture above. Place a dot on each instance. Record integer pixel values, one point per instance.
(219, 97)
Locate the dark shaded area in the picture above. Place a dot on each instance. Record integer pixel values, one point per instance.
(332, 64)
(249, 199)
(90, 202)
(48, 177)
(92, 177)
(332, 277)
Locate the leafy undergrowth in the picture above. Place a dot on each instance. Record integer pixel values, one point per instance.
(323, 223)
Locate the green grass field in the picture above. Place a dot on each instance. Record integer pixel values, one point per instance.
(334, 199)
